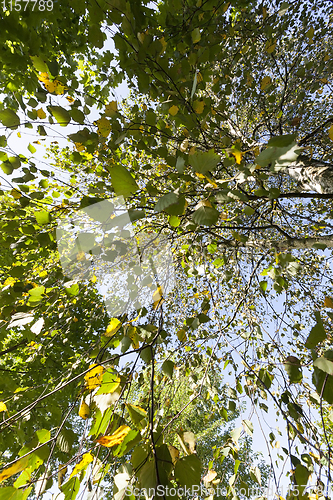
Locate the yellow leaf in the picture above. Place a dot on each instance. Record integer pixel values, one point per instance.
(157, 295)
(49, 86)
(270, 46)
(113, 327)
(43, 77)
(62, 469)
(58, 87)
(14, 469)
(238, 155)
(70, 99)
(15, 194)
(79, 147)
(111, 109)
(203, 203)
(104, 126)
(141, 37)
(116, 438)
(330, 132)
(211, 474)
(184, 145)
(86, 459)
(9, 281)
(19, 134)
(264, 12)
(249, 80)
(198, 106)
(75, 319)
(328, 302)
(84, 410)
(94, 377)
(326, 58)
(181, 334)
(174, 452)
(310, 34)
(265, 82)
(173, 110)
(163, 43)
(3, 407)
(93, 279)
(133, 335)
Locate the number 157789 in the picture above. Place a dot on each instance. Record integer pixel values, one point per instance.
(23, 5)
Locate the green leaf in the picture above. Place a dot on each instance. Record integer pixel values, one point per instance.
(43, 435)
(196, 36)
(145, 355)
(167, 368)
(42, 217)
(206, 216)
(73, 289)
(281, 141)
(177, 208)
(39, 64)
(110, 382)
(204, 162)
(324, 364)
(174, 221)
(60, 114)
(139, 456)
(7, 168)
(188, 471)
(122, 181)
(263, 285)
(317, 333)
(255, 474)
(180, 165)
(166, 201)
(322, 380)
(235, 434)
(294, 370)
(37, 291)
(66, 439)
(9, 118)
(11, 493)
(281, 155)
(77, 115)
(136, 413)
(301, 478)
(71, 488)
(131, 439)
(248, 427)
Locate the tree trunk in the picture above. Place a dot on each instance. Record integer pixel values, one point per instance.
(312, 175)
(280, 245)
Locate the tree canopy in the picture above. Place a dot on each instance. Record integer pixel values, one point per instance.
(166, 240)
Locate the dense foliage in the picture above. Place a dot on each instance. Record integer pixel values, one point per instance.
(206, 197)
